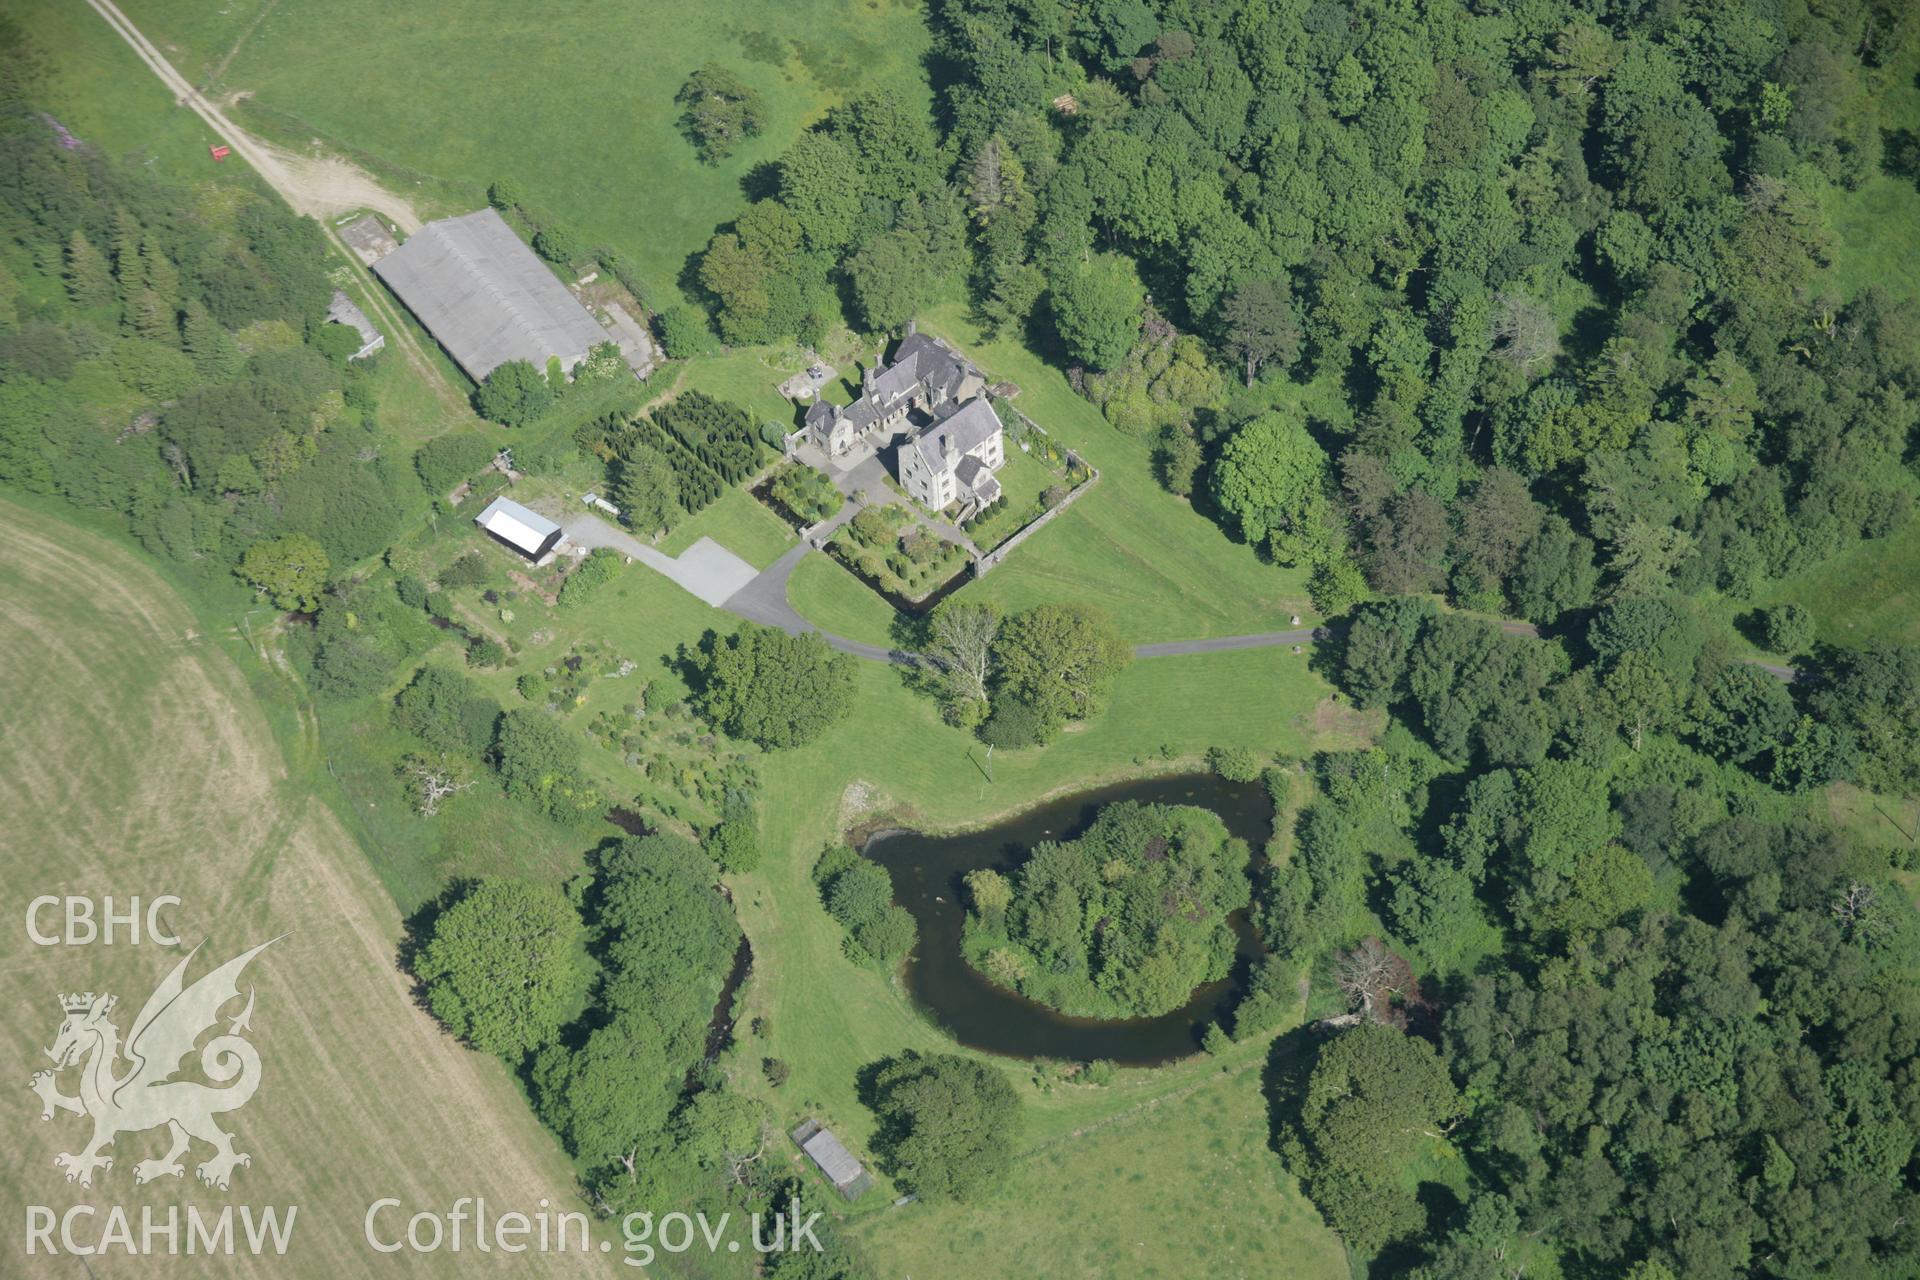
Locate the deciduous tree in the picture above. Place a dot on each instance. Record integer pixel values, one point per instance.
(502, 965)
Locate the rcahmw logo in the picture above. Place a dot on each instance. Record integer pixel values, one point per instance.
(161, 1231)
(146, 1096)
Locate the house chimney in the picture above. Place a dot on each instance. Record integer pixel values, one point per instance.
(946, 446)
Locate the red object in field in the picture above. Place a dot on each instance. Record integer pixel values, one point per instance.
(220, 152)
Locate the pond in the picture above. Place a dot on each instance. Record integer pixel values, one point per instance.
(927, 876)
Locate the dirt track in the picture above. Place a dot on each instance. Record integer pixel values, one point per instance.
(318, 187)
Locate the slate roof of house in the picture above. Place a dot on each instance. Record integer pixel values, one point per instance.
(896, 380)
(513, 523)
(485, 297)
(820, 411)
(918, 359)
(833, 1158)
(969, 427)
(932, 361)
(862, 414)
(973, 474)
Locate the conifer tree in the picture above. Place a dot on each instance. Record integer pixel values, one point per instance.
(158, 273)
(211, 348)
(88, 275)
(154, 319)
(127, 271)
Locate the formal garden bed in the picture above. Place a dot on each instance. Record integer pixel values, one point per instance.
(896, 555)
(801, 495)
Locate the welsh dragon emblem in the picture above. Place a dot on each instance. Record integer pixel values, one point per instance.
(145, 1096)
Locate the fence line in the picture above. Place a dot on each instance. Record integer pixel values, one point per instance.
(986, 563)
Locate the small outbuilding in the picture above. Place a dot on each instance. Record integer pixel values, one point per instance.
(833, 1159)
(528, 532)
(344, 311)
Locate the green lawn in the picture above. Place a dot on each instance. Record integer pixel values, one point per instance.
(1867, 594)
(1180, 1187)
(828, 1018)
(1890, 824)
(574, 102)
(740, 523)
(1164, 571)
(1023, 478)
(830, 597)
(1878, 226)
(749, 376)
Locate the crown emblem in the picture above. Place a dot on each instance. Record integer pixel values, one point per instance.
(79, 1002)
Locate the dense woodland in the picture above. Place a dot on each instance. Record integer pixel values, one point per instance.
(1558, 266)
(1520, 307)
(1674, 1008)
(164, 354)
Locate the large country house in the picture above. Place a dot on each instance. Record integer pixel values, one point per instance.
(930, 404)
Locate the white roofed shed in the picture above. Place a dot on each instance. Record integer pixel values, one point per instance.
(528, 532)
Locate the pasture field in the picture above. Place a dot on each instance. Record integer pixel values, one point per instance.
(137, 760)
(1868, 593)
(109, 100)
(1172, 1186)
(574, 102)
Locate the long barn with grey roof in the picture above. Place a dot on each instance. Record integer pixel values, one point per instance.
(486, 298)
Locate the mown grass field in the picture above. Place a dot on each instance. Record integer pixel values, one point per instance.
(828, 595)
(739, 522)
(1163, 570)
(1869, 593)
(137, 759)
(573, 101)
